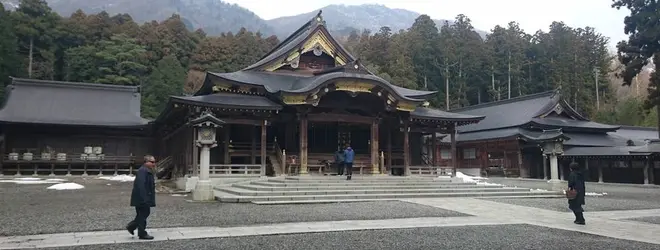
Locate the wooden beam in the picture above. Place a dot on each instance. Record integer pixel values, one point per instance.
(253, 145)
(374, 146)
(434, 146)
(340, 118)
(241, 121)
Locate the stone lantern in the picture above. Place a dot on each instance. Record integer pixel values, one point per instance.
(206, 125)
(552, 149)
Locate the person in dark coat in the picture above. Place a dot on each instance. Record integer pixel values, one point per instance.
(576, 182)
(143, 197)
(339, 161)
(349, 156)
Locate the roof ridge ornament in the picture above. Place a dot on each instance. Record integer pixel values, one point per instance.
(319, 18)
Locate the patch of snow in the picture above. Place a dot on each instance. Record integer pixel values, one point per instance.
(475, 179)
(590, 193)
(120, 178)
(66, 186)
(179, 195)
(538, 190)
(31, 180)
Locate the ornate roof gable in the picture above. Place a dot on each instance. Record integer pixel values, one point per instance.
(313, 37)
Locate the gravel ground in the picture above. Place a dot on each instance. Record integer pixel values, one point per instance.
(651, 219)
(104, 205)
(592, 203)
(467, 237)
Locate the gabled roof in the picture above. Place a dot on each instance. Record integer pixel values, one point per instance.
(288, 83)
(531, 111)
(513, 132)
(69, 103)
(295, 41)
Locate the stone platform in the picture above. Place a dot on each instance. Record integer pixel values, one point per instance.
(326, 189)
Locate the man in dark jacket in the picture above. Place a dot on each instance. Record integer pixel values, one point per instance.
(576, 182)
(349, 156)
(143, 197)
(339, 161)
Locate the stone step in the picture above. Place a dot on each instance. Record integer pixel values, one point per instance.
(337, 179)
(351, 183)
(244, 192)
(223, 197)
(362, 187)
(391, 199)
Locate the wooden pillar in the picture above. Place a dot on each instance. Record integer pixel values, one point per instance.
(600, 171)
(454, 156)
(195, 151)
(520, 163)
(406, 148)
(545, 166)
(389, 146)
(263, 147)
(253, 146)
(434, 153)
(227, 138)
(652, 171)
(646, 171)
(303, 145)
(374, 146)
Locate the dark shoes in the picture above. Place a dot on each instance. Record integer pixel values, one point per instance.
(131, 227)
(579, 222)
(348, 177)
(146, 237)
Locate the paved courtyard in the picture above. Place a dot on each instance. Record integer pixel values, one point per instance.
(93, 218)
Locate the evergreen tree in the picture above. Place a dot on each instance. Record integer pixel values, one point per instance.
(165, 80)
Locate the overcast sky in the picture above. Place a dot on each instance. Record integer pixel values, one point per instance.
(485, 14)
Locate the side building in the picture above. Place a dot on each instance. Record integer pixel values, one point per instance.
(66, 128)
(525, 136)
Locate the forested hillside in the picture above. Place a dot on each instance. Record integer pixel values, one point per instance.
(168, 59)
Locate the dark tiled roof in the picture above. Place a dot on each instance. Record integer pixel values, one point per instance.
(637, 133)
(568, 123)
(68, 103)
(601, 151)
(434, 114)
(597, 140)
(508, 113)
(227, 100)
(277, 82)
(520, 133)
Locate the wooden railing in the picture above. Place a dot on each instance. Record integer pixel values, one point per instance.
(235, 170)
(430, 170)
(70, 165)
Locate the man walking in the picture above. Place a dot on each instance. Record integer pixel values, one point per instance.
(143, 197)
(349, 156)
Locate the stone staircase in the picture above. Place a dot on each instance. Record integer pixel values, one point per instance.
(328, 189)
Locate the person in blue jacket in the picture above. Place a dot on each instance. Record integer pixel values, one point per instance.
(349, 156)
(143, 197)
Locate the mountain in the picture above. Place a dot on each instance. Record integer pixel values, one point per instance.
(216, 16)
(345, 18)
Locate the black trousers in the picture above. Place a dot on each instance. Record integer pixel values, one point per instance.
(349, 168)
(577, 211)
(140, 221)
(340, 168)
